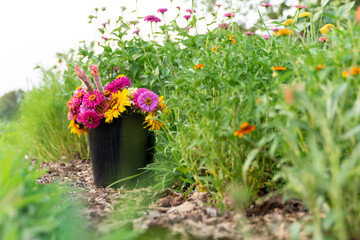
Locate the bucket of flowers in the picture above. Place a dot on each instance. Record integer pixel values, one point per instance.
(117, 119)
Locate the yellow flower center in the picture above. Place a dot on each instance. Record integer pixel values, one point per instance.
(78, 95)
(92, 97)
(148, 101)
(106, 92)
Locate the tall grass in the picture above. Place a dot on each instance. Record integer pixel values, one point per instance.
(44, 118)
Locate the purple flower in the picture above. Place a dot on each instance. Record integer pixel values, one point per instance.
(116, 69)
(137, 94)
(152, 18)
(300, 34)
(187, 28)
(224, 25)
(148, 101)
(162, 10)
(90, 119)
(266, 37)
(136, 31)
(105, 23)
(118, 84)
(275, 29)
(92, 99)
(105, 38)
(266, 5)
(250, 33)
(229, 15)
(190, 11)
(187, 17)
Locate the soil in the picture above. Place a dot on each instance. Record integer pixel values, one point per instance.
(190, 217)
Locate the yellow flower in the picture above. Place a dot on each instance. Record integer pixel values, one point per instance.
(326, 28)
(245, 128)
(288, 22)
(345, 73)
(77, 129)
(278, 68)
(118, 103)
(152, 122)
(120, 76)
(231, 37)
(199, 66)
(304, 14)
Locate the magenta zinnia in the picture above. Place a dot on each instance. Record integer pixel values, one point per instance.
(229, 15)
(92, 99)
(152, 18)
(190, 11)
(118, 84)
(187, 16)
(90, 119)
(137, 94)
(148, 101)
(162, 10)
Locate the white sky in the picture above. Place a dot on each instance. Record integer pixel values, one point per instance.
(33, 31)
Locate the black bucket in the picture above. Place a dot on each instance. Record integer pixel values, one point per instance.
(119, 149)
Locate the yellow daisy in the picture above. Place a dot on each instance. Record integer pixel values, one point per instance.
(326, 28)
(118, 103)
(77, 129)
(304, 14)
(152, 122)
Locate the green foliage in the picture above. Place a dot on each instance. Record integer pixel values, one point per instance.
(28, 210)
(44, 117)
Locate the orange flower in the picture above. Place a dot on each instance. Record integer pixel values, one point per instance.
(215, 48)
(319, 67)
(283, 32)
(357, 15)
(199, 66)
(278, 68)
(245, 128)
(345, 73)
(231, 37)
(233, 41)
(354, 70)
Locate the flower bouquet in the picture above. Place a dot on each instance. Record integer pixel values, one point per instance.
(117, 119)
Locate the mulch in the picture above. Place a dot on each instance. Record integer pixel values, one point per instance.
(190, 217)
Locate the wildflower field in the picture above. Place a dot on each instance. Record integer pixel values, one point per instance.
(241, 115)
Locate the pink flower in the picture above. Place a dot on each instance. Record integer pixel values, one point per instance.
(162, 10)
(300, 6)
(105, 38)
(187, 28)
(190, 11)
(92, 99)
(94, 70)
(148, 101)
(229, 15)
(137, 94)
(101, 108)
(90, 119)
(250, 33)
(266, 5)
(105, 23)
(275, 29)
(78, 96)
(266, 37)
(136, 31)
(178, 7)
(118, 84)
(116, 69)
(187, 17)
(224, 25)
(218, 5)
(152, 18)
(322, 39)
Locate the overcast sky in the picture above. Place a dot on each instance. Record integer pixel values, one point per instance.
(33, 31)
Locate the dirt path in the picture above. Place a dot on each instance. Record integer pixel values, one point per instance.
(194, 218)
